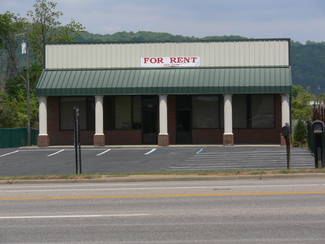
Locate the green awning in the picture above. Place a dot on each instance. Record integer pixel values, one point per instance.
(164, 81)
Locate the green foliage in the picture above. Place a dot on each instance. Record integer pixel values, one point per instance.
(300, 134)
(11, 25)
(148, 36)
(301, 108)
(45, 27)
(308, 65)
(13, 109)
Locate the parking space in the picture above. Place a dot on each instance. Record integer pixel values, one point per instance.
(48, 161)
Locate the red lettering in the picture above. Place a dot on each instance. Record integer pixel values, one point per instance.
(160, 61)
(187, 60)
(194, 59)
(172, 60)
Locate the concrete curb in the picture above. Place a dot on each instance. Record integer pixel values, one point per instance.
(156, 178)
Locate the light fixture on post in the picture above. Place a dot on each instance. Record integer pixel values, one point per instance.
(25, 50)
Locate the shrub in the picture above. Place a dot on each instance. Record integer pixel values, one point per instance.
(300, 134)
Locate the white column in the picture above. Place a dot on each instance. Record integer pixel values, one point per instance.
(228, 114)
(99, 116)
(43, 116)
(285, 101)
(163, 120)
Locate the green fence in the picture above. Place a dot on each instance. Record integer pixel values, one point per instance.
(16, 137)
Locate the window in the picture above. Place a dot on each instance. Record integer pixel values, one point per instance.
(86, 112)
(262, 111)
(122, 112)
(123, 116)
(136, 112)
(239, 111)
(205, 111)
(251, 111)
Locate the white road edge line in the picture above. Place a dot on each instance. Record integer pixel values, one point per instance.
(151, 151)
(50, 155)
(6, 154)
(103, 152)
(73, 216)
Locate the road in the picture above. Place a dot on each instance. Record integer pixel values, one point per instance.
(49, 161)
(243, 211)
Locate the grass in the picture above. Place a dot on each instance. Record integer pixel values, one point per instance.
(163, 173)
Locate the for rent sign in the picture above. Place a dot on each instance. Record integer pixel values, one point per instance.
(170, 61)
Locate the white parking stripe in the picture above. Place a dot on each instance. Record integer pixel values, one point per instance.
(151, 151)
(6, 154)
(103, 152)
(50, 155)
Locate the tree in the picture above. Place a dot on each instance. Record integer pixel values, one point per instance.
(11, 26)
(301, 107)
(45, 27)
(300, 134)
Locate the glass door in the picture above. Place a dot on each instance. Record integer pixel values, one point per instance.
(183, 119)
(149, 115)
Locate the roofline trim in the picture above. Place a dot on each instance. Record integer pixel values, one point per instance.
(163, 42)
(173, 68)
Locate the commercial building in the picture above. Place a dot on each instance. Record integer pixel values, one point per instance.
(226, 92)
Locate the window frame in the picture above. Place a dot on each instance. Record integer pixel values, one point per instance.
(112, 115)
(88, 104)
(250, 115)
(218, 111)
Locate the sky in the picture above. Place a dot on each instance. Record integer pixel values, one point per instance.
(300, 20)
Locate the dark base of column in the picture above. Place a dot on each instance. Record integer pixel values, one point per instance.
(99, 140)
(163, 140)
(43, 141)
(228, 140)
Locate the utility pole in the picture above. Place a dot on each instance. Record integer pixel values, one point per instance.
(25, 50)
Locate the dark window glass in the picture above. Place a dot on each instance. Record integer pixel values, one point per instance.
(109, 105)
(86, 112)
(122, 112)
(239, 111)
(136, 112)
(123, 115)
(205, 111)
(262, 111)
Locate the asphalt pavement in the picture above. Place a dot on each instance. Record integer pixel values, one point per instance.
(61, 160)
(244, 211)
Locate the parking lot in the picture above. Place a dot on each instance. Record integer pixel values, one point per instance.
(61, 160)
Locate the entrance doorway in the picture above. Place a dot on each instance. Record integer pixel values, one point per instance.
(149, 118)
(183, 119)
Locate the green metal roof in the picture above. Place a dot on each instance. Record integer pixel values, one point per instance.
(165, 81)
